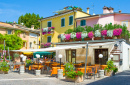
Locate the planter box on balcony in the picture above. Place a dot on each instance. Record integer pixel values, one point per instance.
(97, 38)
(108, 37)
(78, 39)
(85, 39)
(76, 80)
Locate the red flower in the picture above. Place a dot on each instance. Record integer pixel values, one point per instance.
(76, 76)
(76, 72)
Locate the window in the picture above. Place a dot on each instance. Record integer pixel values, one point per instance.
(49, 39)
(70, 20)
(49, 24)
(62, 22)
(116, 57)
(24, 34)
(24, 44)
(82, 22)
(30, 44)
(125, 22)
(9, 31)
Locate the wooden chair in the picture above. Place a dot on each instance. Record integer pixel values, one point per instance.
(93, 73)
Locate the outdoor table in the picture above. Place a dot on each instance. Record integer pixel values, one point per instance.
(78, 65)
(55, 64)
(55, 69)
(103, 66)
(83, 70)
(35, 66)
(47, 63)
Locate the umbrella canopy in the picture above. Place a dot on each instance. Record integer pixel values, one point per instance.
(28, 53)
(42, 53)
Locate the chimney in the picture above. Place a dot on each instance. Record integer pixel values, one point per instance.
(14, 24)
(105, 10)
(119, 11)
(88, 10)
(32, 27)
(111, 9)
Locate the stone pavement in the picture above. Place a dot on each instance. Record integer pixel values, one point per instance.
(30, 79)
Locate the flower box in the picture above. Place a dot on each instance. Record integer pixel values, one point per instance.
(108, 73)
(1, 72)
(108, 37)
(78, 79)
(97, 38)
(67, 40)
(85, 39)
(78, 39)
(5, 72)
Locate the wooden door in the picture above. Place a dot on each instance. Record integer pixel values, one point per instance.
(105, 56)
(71, 56)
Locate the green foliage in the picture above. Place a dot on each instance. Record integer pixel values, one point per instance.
(89, 29)
(69, 67)
(30, 19)
(17, 32)
(109, 26)
(28, 62)
(14, 42)
(16, 55)
(4, 66)
(74, 74)
(68, 31)
(97, 27)
(8, 57)
(115, 69)
(110, 66)
(79, 29)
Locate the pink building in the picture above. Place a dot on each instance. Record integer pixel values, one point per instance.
(108, 16)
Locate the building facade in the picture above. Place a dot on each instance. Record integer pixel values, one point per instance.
(61, 22)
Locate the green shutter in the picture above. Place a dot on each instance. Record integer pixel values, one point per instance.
(70, 20)
(62, 22)
(82, 22)
(49, 24)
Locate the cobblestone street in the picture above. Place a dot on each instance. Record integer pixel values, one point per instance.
(30, 79)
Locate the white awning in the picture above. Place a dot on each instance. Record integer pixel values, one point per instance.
(65, 47)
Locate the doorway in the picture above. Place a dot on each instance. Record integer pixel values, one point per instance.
(71, 56)
(105, 56)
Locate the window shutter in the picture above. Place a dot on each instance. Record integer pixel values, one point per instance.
(70, 20)
(62, 22)
(49, 24)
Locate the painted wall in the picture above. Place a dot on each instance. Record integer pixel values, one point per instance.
(56, 22)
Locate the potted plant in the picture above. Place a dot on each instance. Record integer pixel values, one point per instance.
(117, 33)
(109, 34)
(73, 36)
(4, 66)
(16, 56)
(115, 70)
(62, 37)
(97, 35)
(90, 35)
(84, 35)
(71, 74)
(28, 62)
(104, 33)
(78, 36)
(109, 69)
(67, 37)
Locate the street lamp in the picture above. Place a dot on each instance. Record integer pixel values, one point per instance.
(22, 57)
(60, 56)
(111, 56)
(38, 56)
(100, 56)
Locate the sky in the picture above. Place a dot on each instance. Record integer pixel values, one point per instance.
(10, 10)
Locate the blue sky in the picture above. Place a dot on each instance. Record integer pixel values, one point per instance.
(10, 10)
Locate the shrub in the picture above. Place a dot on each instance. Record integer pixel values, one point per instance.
(97, 33)
(16, 55)
(79, 29)
(73, 74)
(89, 29)
(68, 31)
(84, 34)
(4, 66)
(8, 57)
(69, 67)
(110, 66)
(90, 35)
(28, 62)
(78, 35)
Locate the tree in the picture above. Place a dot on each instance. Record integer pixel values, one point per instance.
(30, 19)
(14, 42)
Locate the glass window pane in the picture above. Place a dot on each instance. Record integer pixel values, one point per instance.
(49, 24)
(73, 60)
(9, 31)
(115, 57)
(49, 39)
(70, 20)
(62, 22)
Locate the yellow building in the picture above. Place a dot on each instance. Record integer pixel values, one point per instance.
(62, 21)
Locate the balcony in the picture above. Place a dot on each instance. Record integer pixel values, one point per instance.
(48, 30)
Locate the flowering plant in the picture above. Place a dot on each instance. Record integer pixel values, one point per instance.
(90, 34)
(47, 30)
(45, 45)
(117, 32)
(73, 35)
(97, 33)
(84, 34)
(110, 66)
(110, 33)
(78, 35)
(62, 36)
(67, 36)
(104, 33)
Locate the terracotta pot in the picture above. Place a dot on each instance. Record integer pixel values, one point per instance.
(87, 39)
(78, 39)
(1, 72)
(67, 40)
(78, 79)
(5, 72)
(97, 38)
(108, 73)
(108, 37)
(71, 40)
